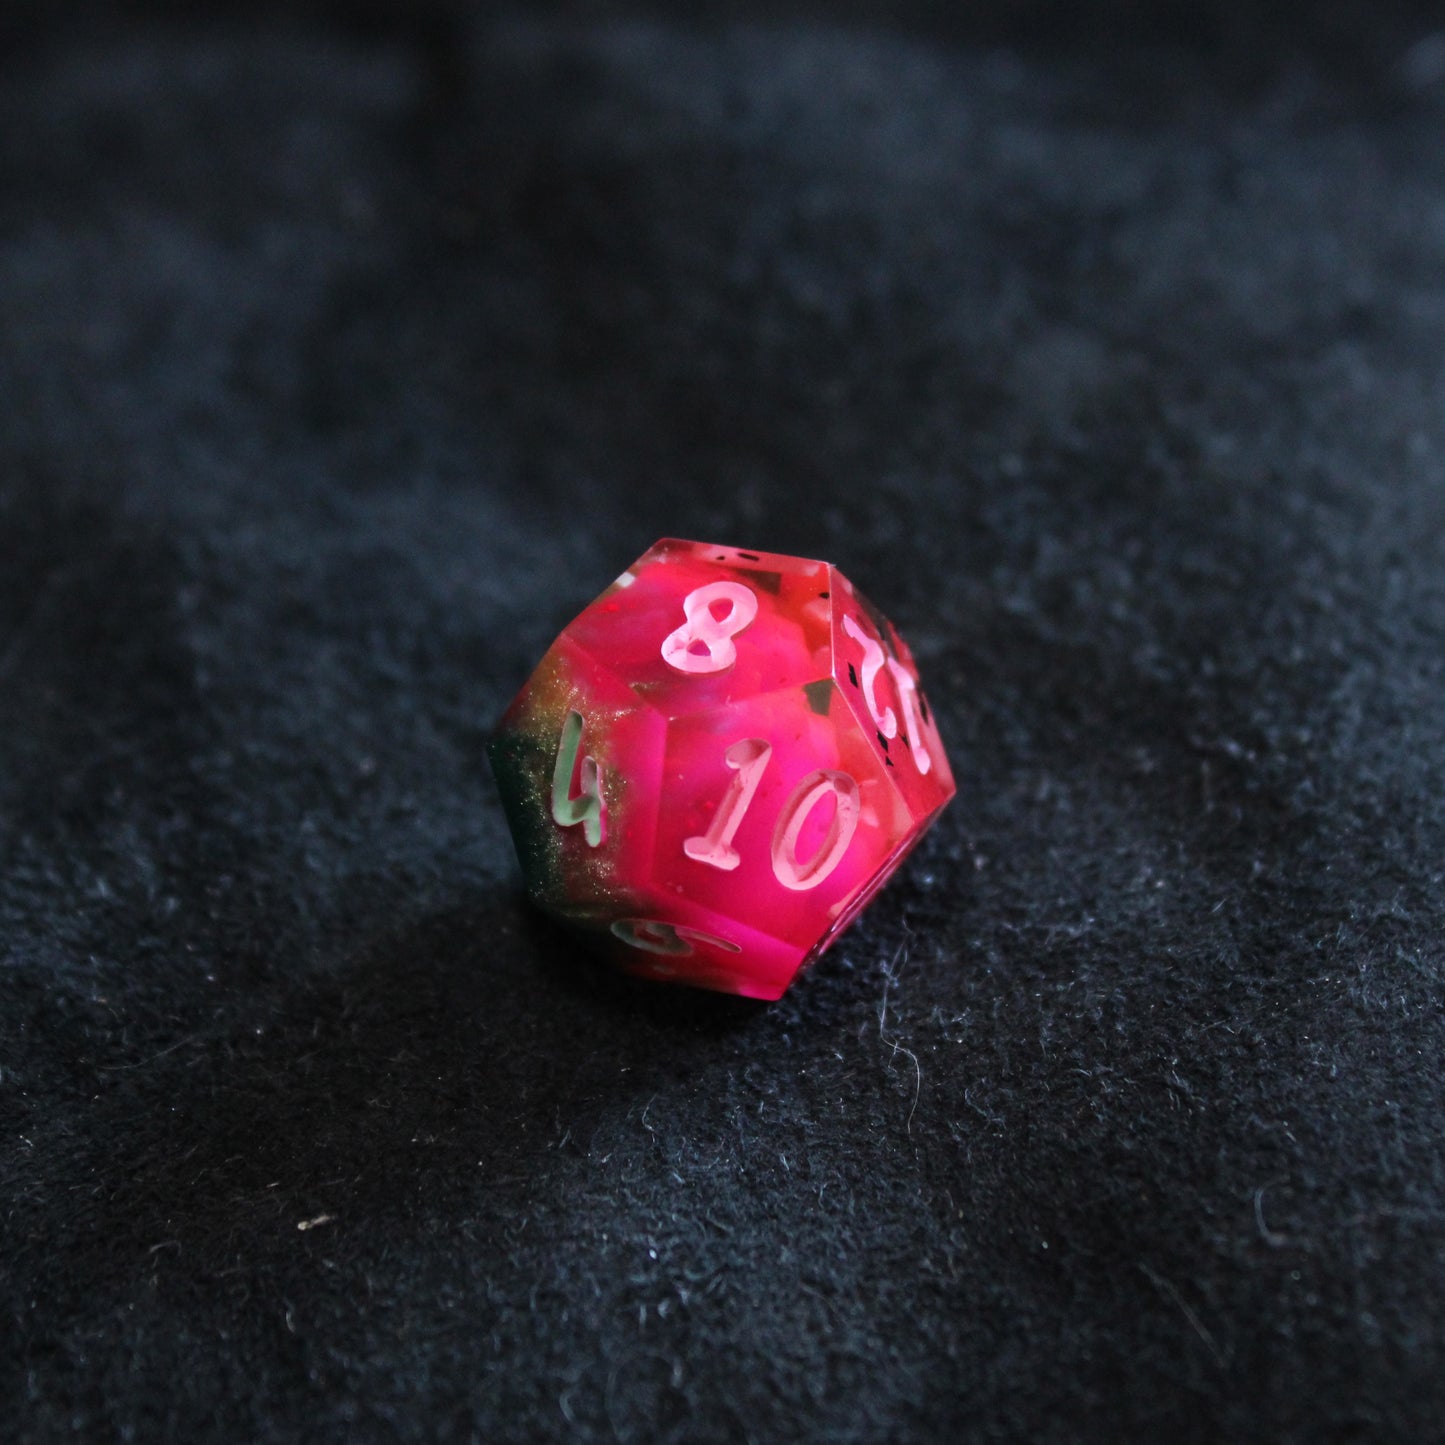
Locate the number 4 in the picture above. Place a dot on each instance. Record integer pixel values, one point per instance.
(586, 807)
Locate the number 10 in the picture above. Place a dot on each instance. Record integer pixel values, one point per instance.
(749, 760)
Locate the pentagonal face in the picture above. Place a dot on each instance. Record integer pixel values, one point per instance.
(876, 672)
(690, 627)
(577, 758)
(778, 815)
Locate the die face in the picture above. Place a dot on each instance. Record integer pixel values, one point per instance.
(718, 764)
(777, 813)
(876, 672)
(678, 941)
(578, 765)
(689, 626)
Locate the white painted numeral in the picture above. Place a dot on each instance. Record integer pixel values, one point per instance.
(652, 935)
(884, 718)
(792, 873)
(588, 806)
(748, 759)
(706, 631)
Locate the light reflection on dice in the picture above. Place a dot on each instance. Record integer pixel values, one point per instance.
(718, 764)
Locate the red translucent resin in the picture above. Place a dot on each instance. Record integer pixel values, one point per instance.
(718, 764)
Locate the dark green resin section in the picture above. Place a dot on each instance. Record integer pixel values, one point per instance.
(819, 695)
(523, 768)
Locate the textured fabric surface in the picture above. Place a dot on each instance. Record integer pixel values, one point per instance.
(347, 350)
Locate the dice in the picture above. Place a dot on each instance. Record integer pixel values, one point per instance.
(718, 764)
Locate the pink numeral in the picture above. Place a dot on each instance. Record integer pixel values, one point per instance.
(908, 691)
(792, 873)
(884, 718)
(704, 643)
(748, 759)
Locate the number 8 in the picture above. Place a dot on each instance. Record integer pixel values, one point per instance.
(704, 629)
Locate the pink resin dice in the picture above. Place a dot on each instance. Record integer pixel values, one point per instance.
(718, 764)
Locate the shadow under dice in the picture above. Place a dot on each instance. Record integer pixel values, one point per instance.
(717, 764)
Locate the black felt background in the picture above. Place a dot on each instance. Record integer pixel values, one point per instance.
(347, 350)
